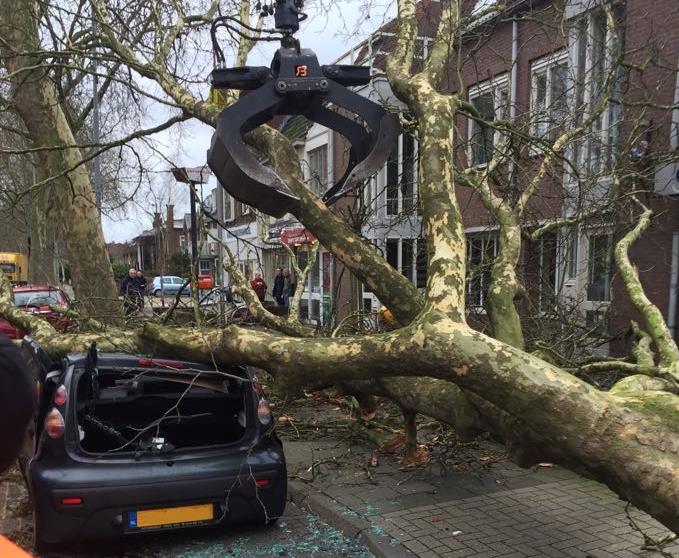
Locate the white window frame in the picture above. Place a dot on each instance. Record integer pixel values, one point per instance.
(400, 172)
(544, 66)
(323, 182)
(495, 86)
(582, 152)
(318, 136)
(228, 203)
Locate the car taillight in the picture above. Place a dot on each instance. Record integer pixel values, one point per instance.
(61, 396)
(262, 483)
(54, 424)
(264, 411)
(71, 501)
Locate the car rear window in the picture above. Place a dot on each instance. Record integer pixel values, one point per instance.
(122, 410)
(8, 267)
(36, 298)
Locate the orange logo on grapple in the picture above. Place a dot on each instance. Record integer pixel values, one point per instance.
(302, 70)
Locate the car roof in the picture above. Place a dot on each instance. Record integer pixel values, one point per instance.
(35, 287)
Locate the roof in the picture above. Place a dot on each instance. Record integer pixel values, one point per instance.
(295, 127)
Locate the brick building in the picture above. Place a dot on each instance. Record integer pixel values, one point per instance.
(542, 65)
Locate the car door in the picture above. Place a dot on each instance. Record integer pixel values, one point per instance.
(166, 285)
(179, 282)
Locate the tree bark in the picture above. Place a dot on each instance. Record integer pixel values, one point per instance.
(75, 214)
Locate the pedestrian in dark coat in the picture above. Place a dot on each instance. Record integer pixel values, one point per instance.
(279, 287)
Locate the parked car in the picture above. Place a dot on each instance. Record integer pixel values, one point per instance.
(37, 300)
(123, 445)
(168, 285)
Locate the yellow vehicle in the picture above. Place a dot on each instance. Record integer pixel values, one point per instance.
(15, 266)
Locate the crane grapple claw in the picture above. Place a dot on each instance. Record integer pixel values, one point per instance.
(296, 85)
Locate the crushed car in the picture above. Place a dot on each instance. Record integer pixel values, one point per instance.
(39, 300)
(123, 445)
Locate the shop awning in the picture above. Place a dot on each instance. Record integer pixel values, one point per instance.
(296, 236)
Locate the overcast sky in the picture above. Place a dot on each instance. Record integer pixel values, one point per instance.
(330, 31)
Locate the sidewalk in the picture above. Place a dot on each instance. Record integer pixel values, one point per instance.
(492, 509)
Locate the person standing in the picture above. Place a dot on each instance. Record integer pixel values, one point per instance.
(141, 287)
(129, 288)
(259, 286)
(278, 286)
(288, 287)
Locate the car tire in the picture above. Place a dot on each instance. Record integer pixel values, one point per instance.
(156, 292)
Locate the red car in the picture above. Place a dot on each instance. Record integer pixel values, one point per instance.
(37, 299)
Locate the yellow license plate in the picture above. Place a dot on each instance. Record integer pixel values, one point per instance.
(166, 517)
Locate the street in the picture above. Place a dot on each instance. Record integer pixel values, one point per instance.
(298, 534)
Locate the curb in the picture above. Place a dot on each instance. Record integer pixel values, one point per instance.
(351, 524)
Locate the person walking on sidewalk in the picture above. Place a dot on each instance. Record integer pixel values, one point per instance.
(259, 286)
(278, 286)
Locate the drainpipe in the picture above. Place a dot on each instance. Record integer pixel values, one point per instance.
(674, 285)
(515, 55)
(513, 88)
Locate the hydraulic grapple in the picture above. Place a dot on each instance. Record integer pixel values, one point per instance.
(295, 84)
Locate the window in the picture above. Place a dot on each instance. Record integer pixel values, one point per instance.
(539, 274)
(409, 256)
(421, 263)
(591, 43)
(318, 169)
(228, 206)
(491, 100)
(571, 254)
(204, 266)
(599, 268)
(549, 108)
(182, 242)
(481, 251)
(392, 183)
(401, 187)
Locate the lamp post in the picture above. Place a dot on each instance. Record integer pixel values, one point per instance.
(193, 176)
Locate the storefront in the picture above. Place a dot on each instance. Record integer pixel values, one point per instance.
(316, 302)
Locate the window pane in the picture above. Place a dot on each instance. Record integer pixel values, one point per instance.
(558, 105)
(421, 264)
(407, 257)
(408, 176)
(392, 182)
(318, 169)
(392, 252)
(482, 139)
(572, 254)
(540, 107)
(227, 206)
(314, 273)
(598, 288)
(481, 250)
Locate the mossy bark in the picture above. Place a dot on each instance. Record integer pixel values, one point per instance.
(36, 101)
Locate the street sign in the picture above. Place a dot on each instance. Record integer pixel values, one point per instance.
(192, 175)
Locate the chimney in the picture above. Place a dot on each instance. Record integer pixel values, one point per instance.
(170, 217)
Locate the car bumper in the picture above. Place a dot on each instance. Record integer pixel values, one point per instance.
(110, 495)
